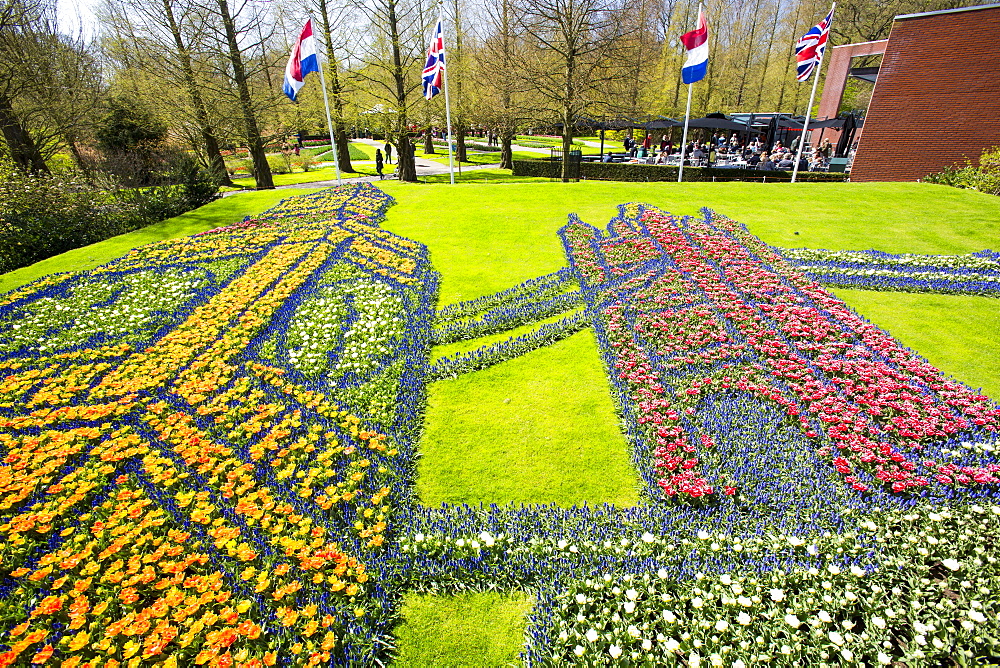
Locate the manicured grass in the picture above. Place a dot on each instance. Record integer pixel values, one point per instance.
(484, 238)
(322, 174)
(537, 429)
(472, 344)
(226, 211)
(475, 629)
(958, 334)
(481, 176)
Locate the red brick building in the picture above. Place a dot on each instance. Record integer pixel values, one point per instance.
(937, 98)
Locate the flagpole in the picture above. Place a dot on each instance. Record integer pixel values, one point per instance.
(687, 117)
(812, 97)
(447, 101)
(329, 122)
(684, 138)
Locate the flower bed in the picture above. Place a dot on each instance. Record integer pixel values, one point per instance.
(716, 313)
(974, 274)
(206, 440)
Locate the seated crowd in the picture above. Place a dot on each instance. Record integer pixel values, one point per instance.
(755, 155)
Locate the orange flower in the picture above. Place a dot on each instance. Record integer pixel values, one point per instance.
(270, 658)
(43, 654)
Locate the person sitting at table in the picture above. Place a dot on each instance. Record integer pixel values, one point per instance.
(697, 155)
(817, 163)
(766, 163)
(777, 149)
(712, 155)
(753, 160)
(663, 142)
(785, 162)
(647, 142)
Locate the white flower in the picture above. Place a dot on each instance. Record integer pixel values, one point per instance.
(697, 601)
(668, 617)
(615, 651)
(629, 607)
(632, 594)
(834, 569)
(419, 538)
(671, 645)
(716, 660)
(633, 631)
(579, 650)
(726, 579)
(694, 661)
(721, 625)
(704, 535)
(824, 616)
(744, 601)
(857, 571)
(879, 622)
(777, 595)
(647, 644)
(952, 564)
(836, 638)
(792, 621)
(648, 537)
(487, 539)
(744, 618)
(738, 663)
(591, 635)
(920, 640)
(884, 658)
(581, 598)
(847, 654)
(976, 616)
(786, 650)
(662, 574)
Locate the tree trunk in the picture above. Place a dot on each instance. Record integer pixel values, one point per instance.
(81, 162)
(215, 160)
(261, 170)
(406, 168)
(567, 142)
(336, 92)
(506, 154)
(429, 141)
(23, 150)
(460, 153)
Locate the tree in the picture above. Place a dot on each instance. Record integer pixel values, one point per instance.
(576, 43)
(392, 61)
(336, 89)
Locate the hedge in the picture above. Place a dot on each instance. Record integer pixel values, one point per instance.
(621, 171)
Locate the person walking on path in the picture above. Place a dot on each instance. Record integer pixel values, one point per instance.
(388, 153)
(378, 164)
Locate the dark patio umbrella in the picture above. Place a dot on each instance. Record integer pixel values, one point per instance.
(772, 131)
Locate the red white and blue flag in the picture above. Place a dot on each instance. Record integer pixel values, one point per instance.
(301, 62)
(809, 49)
(696, 43)
(434, 69)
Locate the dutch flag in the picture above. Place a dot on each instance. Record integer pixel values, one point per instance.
(696, 43)
(434, 69)
(301, 62)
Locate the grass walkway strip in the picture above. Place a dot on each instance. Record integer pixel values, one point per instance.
(537, 429)
(474, 629)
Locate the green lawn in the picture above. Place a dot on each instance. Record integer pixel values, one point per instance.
(537, 429)
(478, 630)
(484, 238)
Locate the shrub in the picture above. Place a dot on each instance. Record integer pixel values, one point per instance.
(984, 178)
(622, 171)
(303, 162)
(279, 165)
(42, 216)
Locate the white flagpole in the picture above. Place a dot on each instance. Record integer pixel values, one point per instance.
(447, 101)
(812, 97)
(326, 103)
(684, 139)
(687, 117)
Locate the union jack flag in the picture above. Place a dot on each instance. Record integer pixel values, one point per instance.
(434, 69)
(809, 49)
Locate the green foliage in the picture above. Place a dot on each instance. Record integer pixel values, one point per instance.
(623, 171)
(985, 178)
(128, 126)
(44, 215)
(279, 164)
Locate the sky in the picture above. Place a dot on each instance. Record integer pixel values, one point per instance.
(75, 15)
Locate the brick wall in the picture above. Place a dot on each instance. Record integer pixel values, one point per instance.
(937, 98)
